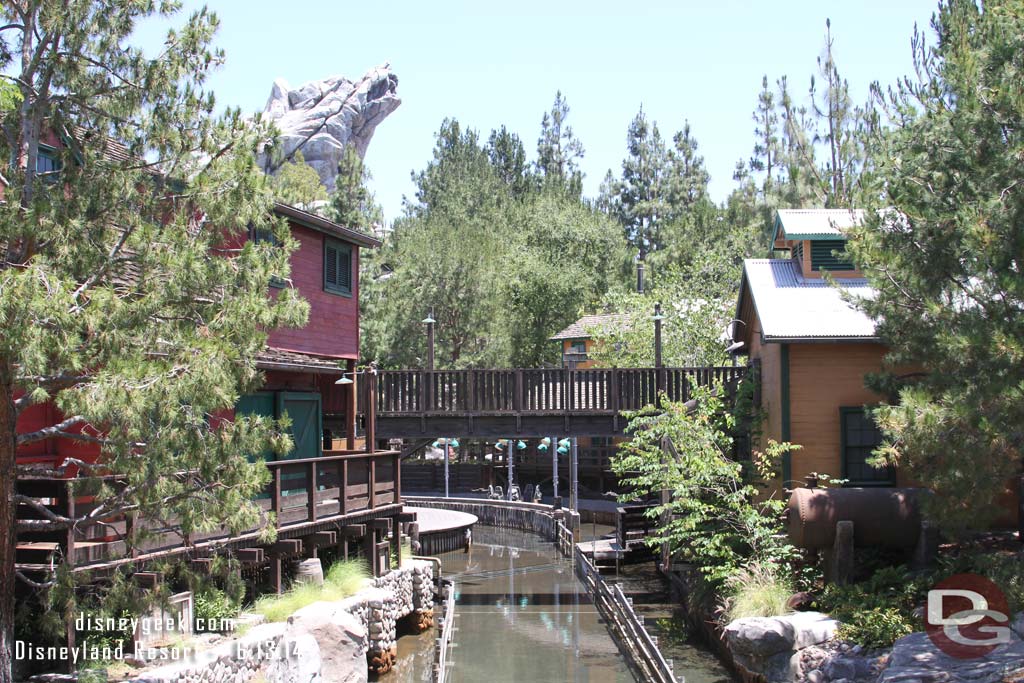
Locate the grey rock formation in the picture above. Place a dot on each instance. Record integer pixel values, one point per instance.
(915, 658)
(321, 117)
(339, 635)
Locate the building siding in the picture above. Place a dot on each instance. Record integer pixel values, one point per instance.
(823, 379)
(333, 327)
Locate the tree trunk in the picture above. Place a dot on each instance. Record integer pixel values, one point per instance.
(7, 524)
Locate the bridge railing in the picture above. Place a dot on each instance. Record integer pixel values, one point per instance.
(537, 391)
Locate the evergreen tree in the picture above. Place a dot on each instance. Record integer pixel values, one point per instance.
(558, 150)
(687, 178)
(639, 199)
(803, 186)
(120, 305)
(839, 131)
(945, 257)
(766, 132)
(352, 203)
(298, 184)
(508, 156)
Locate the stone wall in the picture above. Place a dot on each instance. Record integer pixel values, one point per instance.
(324, 642)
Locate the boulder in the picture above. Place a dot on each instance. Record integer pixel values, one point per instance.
(916, 658)
(298, 660)
(340, 637)
(321, 117)
(766, 636)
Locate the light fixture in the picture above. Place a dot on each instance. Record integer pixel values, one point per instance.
(429, 320)
(520, 445)
(657, 313)
(344, 380)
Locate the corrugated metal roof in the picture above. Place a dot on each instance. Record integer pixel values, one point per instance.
(581, 328)
(806, 224)
(792, 307)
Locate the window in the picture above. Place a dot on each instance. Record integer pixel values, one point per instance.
(266, 234)
(830, 255)
(47, 162)
(861, 436)
(337, 267)
(578, 347)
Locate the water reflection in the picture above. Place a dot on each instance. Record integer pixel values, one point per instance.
(523, 616)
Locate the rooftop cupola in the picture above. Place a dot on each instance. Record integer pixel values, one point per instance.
(816, 240)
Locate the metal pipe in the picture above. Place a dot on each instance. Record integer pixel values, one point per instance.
(554, 468)
(574, 479)
(511, 446)
(447, 455)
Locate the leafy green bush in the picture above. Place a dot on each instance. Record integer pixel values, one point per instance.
(211, 605)
(757, 591)
(715, 518)
(875, 628)
(1007, 572)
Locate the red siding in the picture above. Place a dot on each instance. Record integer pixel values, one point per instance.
(333, 327)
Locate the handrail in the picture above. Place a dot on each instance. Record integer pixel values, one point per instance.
(617, 610)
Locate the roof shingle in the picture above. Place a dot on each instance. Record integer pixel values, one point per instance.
(582, 327)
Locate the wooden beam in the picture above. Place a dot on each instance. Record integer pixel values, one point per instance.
(381, 524)
(353, 530)
(406, 517)
(287, 546)
(251, 555)
(148, 580)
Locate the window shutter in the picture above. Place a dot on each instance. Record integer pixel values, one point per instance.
(330, 266)
(337, 267)
(345, 269)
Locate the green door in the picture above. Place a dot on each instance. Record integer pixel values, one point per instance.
(307, 430)
(262, 404)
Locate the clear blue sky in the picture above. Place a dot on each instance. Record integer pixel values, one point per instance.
(489, 64)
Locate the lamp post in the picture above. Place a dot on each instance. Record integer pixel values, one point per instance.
(429, 322)
(657, 318)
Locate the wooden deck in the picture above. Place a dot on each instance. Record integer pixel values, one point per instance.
(528, 402)
(311, 496)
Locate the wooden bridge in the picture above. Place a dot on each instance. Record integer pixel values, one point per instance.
(528, 402)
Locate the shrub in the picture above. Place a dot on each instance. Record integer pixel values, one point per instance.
(756, 591)
(212, 605)
(875, 628)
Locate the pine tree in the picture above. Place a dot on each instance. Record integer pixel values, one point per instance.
(766, 146)
(558, 150)
(352, 203)
(639, 199)
(945, 257)
(686, 176)
(839, 130)
(296, 183)
(122, 302)
(508, 156)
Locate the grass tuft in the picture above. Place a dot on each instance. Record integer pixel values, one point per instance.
(343, 579)
(756, 591)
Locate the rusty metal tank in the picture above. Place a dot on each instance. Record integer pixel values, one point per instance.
(882, 517)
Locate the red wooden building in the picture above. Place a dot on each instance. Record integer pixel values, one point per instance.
(332, 488)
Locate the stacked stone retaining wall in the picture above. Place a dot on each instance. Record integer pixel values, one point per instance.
(284, 653)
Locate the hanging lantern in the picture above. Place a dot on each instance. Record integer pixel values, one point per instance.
(544, 445)
(521, 445)
(501, 444)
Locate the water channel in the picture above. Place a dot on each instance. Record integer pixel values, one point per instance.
(523, 616)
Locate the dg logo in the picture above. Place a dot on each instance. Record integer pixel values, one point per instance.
(967, 616)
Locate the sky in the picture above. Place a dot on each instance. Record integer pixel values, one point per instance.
(488, 64)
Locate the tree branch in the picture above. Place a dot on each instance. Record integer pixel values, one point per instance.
(56, 430)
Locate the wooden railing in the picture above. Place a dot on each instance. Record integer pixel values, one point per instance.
(300, 493)
(539, 391)
(640, 647)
